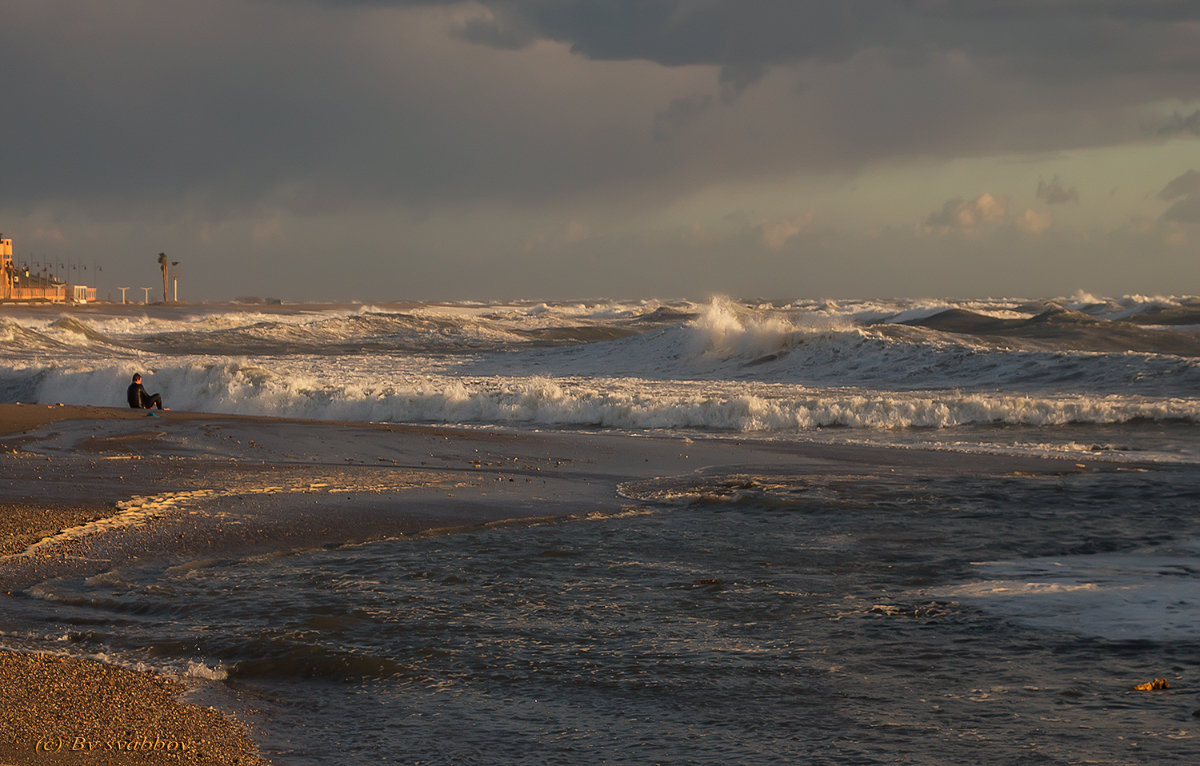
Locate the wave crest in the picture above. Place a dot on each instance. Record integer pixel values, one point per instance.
(728, 330)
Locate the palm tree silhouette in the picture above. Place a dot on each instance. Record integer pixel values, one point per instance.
(162, 261)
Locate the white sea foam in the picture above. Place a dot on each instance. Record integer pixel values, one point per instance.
(399, 395)
(1139, 596)
(200, 670)
(134, 511)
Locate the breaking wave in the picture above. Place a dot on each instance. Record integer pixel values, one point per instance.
(722, 365)
(727, 341)
(244, 388)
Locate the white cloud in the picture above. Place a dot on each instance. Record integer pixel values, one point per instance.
(1033, 222)
(777, 233)
(967, 215)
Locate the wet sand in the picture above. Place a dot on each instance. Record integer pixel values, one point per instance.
(86, 489)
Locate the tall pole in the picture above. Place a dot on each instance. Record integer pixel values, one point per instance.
(122, 289)
(146, 300)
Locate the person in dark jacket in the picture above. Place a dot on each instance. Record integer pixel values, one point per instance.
(138, 398)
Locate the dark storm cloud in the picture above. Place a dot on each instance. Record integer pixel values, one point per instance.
(679, 32)
(741, 32)
(217, 105)
(1185, 191)
(102, 106)
(1086, 37)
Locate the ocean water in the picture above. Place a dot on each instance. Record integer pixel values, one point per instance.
(869, 366)
(866, 616)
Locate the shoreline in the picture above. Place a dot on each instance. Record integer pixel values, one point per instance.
(88, 489)
(60, 709)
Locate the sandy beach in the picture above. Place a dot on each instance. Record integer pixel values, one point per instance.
(87, 489)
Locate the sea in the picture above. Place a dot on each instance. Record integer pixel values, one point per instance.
(865, 617)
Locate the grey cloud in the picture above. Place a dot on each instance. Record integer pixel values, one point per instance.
(735, 78)
(489, 31)
(1185, 191)
(1054, 193)
(947, 217)
(1179, 123)
(678, 115)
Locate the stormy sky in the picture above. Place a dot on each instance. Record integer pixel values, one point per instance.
(390, 149)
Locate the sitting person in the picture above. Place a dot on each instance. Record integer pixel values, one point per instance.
(139, 399)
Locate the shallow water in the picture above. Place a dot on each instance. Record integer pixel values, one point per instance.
(723, 619)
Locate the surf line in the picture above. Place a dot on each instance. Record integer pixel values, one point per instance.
(142, 508)
(137, 509)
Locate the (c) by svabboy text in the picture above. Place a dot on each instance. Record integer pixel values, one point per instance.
(132, 744)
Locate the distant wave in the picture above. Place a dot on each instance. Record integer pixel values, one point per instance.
(336, 335)
(721, 327)
(362, 330)
(1060, 329)
(18, 339)
(62, 337)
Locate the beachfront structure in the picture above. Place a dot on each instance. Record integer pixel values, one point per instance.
(19, 284)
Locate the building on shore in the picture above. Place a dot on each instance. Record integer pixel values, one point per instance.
(19, 284)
